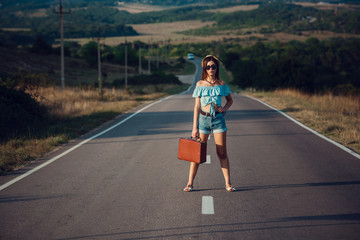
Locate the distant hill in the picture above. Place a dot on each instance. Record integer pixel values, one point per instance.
(22, 21)
(46, 3)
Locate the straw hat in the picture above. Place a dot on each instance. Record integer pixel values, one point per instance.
(209, 56)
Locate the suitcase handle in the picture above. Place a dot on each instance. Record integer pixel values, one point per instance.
(197, 139)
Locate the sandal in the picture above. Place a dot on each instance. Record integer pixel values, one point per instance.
(231, 189)
(188, 188)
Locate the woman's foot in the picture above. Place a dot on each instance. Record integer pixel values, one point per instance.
(230, 188)
(188, 188)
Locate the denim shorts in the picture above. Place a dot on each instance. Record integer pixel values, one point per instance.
(215, 124)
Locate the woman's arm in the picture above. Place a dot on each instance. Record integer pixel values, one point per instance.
(195, 131)
(229, 102)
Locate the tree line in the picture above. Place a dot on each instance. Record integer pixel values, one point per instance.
(312, 66)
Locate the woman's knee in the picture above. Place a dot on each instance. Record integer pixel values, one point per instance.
(221, 152)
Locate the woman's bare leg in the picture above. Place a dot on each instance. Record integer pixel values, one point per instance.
(220, 141)
(194, 166)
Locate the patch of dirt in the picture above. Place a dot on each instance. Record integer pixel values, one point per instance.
(169, 28)
(327, 6)
(235, 8)
(139, 8)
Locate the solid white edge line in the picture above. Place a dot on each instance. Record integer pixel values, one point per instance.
(8, 184)
(207, 206)
(348, 150)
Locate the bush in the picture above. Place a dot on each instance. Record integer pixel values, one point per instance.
(344, 90)
(21, 115)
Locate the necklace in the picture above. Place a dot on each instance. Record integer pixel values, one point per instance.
(211, 83)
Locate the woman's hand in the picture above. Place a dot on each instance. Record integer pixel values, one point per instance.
(195, 133)
(221, 109)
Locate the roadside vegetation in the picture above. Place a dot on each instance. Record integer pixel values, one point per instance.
(39, 116)
(337, 117)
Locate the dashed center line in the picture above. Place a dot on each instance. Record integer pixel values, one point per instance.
(207, 201)
(207, 205)
(208, 159)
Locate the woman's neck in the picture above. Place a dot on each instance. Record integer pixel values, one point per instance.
(211, 79)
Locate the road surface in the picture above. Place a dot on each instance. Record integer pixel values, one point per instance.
(126, 182)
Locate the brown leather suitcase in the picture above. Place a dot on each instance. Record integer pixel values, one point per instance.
(192, 150)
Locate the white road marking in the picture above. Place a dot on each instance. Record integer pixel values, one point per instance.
(207, 205)
(208, 159)
(2, 187)
(309, 129)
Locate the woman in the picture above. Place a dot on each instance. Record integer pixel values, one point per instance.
(209, 116)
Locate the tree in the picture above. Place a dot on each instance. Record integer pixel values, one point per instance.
(89, 53)
(41, 46)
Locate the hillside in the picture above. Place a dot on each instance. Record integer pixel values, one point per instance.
(77, 71)
(229, 20)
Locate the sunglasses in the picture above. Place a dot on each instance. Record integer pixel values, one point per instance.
(213, 67)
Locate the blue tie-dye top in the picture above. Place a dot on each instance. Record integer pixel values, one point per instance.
(211, 95)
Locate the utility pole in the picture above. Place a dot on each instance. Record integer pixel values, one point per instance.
(61, 12)
(149, 62)
(157, 57)
(98, 39)
(126, 67)
(140, 60)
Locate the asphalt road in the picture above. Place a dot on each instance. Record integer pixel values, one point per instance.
(126, 183)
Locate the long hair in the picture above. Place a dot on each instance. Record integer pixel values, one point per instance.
(204, 63)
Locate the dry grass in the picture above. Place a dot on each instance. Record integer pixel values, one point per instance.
(327, 6)
(39, 13)
(139, 8)
(168, 28)
(337, 117)
(73, 102)
(16, 29)
(235, 8)
(77, 111)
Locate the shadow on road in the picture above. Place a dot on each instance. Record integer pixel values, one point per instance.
(272, 224)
